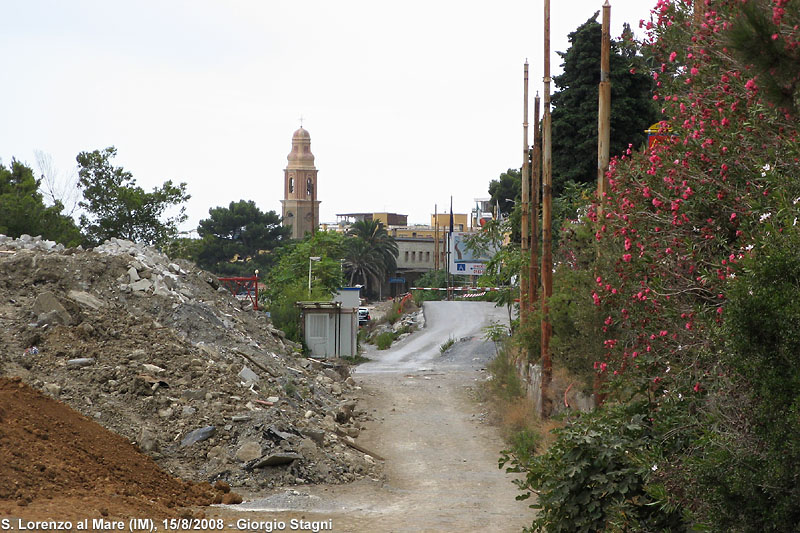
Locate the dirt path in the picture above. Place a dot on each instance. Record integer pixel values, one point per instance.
(440, 455)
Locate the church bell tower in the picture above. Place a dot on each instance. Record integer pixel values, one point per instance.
(300, 204)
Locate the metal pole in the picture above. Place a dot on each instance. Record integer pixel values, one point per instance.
(547, 255)
(604, 110)
(524, 302)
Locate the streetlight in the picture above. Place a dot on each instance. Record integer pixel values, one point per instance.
(310, 259)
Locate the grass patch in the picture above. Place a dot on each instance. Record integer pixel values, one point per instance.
(384, 340)
(446, 345)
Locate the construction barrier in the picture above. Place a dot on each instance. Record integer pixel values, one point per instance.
(490, 289)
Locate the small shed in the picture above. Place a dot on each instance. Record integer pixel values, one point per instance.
(330, 329)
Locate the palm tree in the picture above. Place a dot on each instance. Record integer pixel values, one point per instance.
(362, 262)
(378, 239)
(370, 252)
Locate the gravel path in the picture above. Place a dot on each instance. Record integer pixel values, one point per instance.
(440, 455)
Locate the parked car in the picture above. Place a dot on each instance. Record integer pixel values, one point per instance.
(363, 316)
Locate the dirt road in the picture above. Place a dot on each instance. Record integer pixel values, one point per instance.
(440, 455)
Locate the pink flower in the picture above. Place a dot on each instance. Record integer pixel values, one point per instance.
(672, 56)
(697, 387)
(627, 258)
(733, 217)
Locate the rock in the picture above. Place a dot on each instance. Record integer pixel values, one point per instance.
(217, 452)
(198, 394)
(147, 441)
(248, 375)
(47, 304)
(350, 381)
(188, 411)
(133, 275)
(198, 435)
(273, 399)
(152, 368)
(141, 285)
(86, 299)
(276, 459)
(309, 414)
(328, 423)
(80, 362)
(315, 435)
(165, 413)
(52, 389)
(249, 451)
(160, 288)
(336, 389)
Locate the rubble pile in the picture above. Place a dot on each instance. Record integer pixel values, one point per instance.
(158, 352)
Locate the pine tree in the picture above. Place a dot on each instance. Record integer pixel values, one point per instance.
(575, 104)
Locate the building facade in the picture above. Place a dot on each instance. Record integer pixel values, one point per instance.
(300, 207)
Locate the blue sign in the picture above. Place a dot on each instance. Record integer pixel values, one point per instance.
(397, 280)
(461, 267)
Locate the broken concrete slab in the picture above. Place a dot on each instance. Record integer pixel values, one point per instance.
(277, 459)
(47, 304)
(86, 299)
(198, 435)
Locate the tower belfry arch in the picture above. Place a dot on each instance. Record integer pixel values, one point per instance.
(300, 205)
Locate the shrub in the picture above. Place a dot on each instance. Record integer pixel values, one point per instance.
(594, 476)
(384, 340)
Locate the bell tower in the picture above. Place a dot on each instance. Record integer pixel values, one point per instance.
(300, 204)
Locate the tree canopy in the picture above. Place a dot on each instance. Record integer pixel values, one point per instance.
(117, 207)
(22, 208)
(575, 103)
(506, 190)
(240, 238)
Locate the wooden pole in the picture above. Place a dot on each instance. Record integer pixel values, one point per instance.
(699, 11)
(604, 110)
(524, 302)
(536, 164)
(547, 237)
(603, 139)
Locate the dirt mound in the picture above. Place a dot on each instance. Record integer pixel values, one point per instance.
(157, 352)
(50, 454)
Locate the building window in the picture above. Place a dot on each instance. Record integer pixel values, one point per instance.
(291, 184)
(428, 257)
(413, 256)
(406, 257)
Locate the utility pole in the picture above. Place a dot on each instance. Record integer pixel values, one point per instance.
(547, 242)
(524, 302)
(604, 110)
(536, 164)
(699, 11)
(436, 237)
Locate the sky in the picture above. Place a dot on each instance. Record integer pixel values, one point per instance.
(407, 104)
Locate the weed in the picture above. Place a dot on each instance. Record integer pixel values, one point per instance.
(446, 345)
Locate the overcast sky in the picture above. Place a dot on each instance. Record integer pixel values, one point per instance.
(406, 103)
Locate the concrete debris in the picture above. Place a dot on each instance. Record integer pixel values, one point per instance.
(249, 451)
(276, 459)
(198, 435)
(166, 354)
(47, 305)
